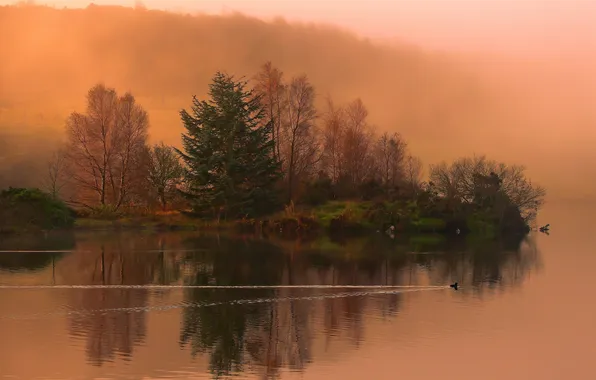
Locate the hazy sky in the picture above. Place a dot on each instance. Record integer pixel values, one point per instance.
(511, 25)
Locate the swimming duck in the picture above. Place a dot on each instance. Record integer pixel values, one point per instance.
(454, 285)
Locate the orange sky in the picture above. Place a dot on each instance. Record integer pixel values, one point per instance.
(503, 25)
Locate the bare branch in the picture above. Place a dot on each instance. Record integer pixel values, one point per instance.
(300, 143)
(165, 172)
(105, 146)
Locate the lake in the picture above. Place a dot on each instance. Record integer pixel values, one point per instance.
(524, 310)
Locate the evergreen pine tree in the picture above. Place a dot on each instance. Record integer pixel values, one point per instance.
(228, 151)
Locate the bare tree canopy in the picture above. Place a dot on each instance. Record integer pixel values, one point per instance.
(337, 145)
(165, 172)
(106, 147)
(353, 156)
(390, 155)
(300, 147)
(334, 124)
(57, 174)
(413, 172)
(464, 178)
(357, 141)
(269, 84)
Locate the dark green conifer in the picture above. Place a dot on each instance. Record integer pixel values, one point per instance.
(231, 171)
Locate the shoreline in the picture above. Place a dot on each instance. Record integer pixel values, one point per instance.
(288, 228)
(347, 218)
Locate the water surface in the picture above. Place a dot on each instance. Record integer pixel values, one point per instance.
(525, 310)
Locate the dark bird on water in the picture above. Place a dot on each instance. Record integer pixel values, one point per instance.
(454, 285)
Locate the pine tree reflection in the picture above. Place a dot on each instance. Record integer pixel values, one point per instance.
(271, 335)
(280, 334)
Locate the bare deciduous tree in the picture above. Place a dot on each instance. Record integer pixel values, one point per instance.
(413, 173)
(334, 123)
(460, 181)
(447, 182)
(105, 145)
(132, 124)
(91, 138)
(390, 156)
(165, 172)
(300, 139)
(522, 192)
(356, 146)
(270, 86)
(57, 173)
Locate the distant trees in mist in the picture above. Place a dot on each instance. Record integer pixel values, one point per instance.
(262, 138)
(469, 179)
(336, 144)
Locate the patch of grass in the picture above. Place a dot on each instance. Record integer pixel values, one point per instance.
(158, 221)
(429, 224)
(349, 211)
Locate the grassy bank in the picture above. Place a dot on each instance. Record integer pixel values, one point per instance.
(354, 217)
(173, 221)
(335, 217)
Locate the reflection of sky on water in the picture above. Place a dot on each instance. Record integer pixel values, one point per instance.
(265, 331)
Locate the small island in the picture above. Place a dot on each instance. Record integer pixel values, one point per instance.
(258, 156)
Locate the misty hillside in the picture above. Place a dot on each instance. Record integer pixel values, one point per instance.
(165, 58)
(51, 57)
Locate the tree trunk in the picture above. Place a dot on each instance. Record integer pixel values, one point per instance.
(163, 203)
(291, 172)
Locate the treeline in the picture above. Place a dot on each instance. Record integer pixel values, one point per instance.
(256, 145)
(321, 154)
(331, 153)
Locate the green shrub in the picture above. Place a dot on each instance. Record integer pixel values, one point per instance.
(24, 209)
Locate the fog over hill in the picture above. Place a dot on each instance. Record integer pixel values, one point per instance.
(538, 112)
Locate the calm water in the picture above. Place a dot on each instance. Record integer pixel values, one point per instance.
(524, 311)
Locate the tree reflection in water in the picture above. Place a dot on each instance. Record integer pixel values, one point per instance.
(35, 259)
(221, 329)
(264, 337)
(117, 260)
(280, 334)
